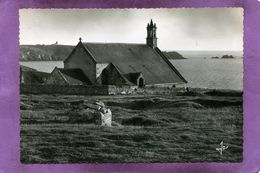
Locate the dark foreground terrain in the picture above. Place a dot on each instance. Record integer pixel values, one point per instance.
(183, 128)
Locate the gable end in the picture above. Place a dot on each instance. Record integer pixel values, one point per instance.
(85, 50)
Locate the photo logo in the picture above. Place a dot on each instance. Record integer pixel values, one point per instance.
(221, 148)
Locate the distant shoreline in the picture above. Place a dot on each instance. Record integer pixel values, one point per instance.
(168, 59)
(59, 52)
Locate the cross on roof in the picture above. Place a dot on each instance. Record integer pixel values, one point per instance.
(80, 39)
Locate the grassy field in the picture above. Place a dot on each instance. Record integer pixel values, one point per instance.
(186, 127)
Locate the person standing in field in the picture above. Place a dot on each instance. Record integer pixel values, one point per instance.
(105, 114)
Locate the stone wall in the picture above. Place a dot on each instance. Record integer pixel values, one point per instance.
(99, 68)
(152, 90)
(111, 76)
(95, 90)
(115, 90)
(64, 89)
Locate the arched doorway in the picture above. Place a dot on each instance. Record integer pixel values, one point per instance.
(105, 77)
(140, 82)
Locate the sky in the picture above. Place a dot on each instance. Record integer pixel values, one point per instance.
(177, 29)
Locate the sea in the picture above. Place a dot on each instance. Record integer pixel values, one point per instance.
(199, 69)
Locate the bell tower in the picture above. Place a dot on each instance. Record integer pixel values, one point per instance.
(151, 39)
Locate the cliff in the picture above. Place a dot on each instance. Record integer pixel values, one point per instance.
(44, 52)
(173, 55)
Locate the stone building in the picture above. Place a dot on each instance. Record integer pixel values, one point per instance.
(124, 63)
(30, 76)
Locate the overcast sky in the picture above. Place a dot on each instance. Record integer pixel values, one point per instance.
(178, 29)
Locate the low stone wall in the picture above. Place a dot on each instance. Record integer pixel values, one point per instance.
(160, 90)
(152, 90)
(115, 90)
(64, 89)
(95, 90)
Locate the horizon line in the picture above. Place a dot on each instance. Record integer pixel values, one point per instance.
(126, 43)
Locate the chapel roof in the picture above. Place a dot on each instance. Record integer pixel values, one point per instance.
(136, 58)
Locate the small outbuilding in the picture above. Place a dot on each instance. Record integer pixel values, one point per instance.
(60, 76)
(30, 76)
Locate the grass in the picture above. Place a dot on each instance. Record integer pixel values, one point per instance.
(62, 129)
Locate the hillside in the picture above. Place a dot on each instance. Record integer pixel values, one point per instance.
(173, 55)
(44, 52)
(146, 128)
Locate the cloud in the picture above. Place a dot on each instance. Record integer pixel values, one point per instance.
(185, 29)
